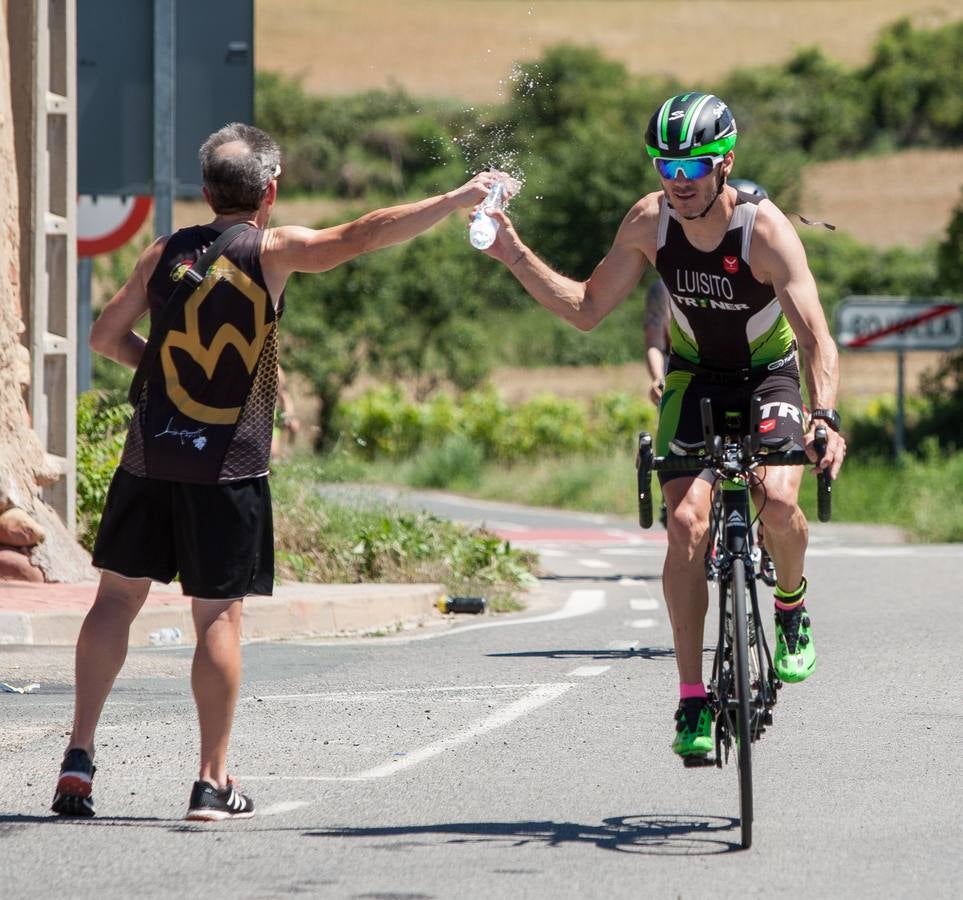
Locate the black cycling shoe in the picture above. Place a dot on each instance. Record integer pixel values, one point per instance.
(73, 797)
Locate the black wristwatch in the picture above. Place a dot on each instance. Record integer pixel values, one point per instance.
(829, 416)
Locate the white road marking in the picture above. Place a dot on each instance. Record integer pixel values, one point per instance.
(643, 604)
(579, 603)
(918, 551)
(626, 580)
(623, 645)
(594, 564)
(550, 551)
(277, 809)
(588, 671)
(643, 623)
(624, 551)
(506, 526)
(341, 696)
(539, 697)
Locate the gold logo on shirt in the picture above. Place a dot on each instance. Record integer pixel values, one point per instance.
(208, 357)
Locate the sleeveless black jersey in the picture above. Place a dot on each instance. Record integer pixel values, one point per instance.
(206, 411)
(722, 317)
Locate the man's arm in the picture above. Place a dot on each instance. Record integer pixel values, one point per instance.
(656, 325)
(295, 248)
(112, 335)
(582, 303)
(782, 261)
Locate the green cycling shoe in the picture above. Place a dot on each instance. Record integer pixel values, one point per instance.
(795, 658)
(693, 727)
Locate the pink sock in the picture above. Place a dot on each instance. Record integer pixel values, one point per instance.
(780, 604)
(686, 691)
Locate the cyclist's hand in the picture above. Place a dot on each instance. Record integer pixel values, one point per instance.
(655, 392)
(835, 451)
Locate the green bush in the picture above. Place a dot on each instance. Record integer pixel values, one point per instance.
(321, 539)
(102, 419)
(382, 424)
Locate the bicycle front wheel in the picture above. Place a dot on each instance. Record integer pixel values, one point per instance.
(740, 664)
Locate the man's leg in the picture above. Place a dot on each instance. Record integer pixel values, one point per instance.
(684, 576)
(787, 532)
(687, 598)
(787, 536)
(216, 680)
(102, 649)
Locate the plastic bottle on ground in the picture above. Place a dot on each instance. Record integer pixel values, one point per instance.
(165, 636)
(473, 605)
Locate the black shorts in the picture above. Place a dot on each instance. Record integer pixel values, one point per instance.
(782, 417)
(218, 537)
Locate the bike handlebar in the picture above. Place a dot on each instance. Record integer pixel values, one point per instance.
(748, 457)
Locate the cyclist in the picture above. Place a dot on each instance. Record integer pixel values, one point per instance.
(742, 295)
(657, 341)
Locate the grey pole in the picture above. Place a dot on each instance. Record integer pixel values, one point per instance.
(85, 269)
(164, 111)
(899, 437)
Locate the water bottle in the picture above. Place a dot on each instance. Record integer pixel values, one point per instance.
(473, 605)
(484, 227)
(165, 636)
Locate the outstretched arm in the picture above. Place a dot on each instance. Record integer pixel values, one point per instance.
(297, 249)
(582, 303)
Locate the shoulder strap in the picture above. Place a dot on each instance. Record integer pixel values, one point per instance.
(189, 283)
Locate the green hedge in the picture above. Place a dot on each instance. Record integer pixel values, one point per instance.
(383, 424)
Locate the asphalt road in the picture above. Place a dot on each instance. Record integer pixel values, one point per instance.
(522, 756)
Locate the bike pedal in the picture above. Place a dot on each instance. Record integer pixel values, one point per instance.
(697, 762)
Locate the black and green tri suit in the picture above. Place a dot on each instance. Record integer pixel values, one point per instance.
(730, 338)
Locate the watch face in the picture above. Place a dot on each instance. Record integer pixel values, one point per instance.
(830, 416)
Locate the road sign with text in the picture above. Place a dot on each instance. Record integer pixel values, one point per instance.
(894, 323)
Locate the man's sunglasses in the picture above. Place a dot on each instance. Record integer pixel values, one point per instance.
(692, 168)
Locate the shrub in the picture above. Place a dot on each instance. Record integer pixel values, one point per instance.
(102, 418)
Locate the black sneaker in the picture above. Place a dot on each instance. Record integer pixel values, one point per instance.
(212, 804)
(73, 795)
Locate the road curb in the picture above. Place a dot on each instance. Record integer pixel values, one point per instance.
(295, 610)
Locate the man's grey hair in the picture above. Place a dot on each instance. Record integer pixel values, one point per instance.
(237, 180)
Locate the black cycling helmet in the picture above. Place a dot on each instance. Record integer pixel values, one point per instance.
(749, 187)
(692, 124)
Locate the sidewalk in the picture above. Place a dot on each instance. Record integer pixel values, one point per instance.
(52, 613)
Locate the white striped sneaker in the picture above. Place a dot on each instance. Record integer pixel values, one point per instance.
(212, 804)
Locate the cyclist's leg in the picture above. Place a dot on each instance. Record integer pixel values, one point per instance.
(683, 577)
(787, 532)
(688, 502)
(776, 494)
(786, 528)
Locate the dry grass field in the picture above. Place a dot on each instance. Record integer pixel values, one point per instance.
(886, 201)
(466, 48)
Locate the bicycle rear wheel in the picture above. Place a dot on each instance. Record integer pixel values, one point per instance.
(740, 665)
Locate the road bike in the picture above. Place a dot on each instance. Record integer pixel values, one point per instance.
(744, 686)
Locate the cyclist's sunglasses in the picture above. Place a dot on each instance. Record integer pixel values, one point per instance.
(692, 168)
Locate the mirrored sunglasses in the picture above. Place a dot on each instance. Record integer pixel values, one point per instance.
(692, 168)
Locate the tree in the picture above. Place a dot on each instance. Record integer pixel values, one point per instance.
(24, 469)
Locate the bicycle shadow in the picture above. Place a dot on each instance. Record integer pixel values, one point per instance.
(636, 653)
(667, 834)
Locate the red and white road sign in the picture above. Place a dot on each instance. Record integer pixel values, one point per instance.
(107, 222)
(876, 323)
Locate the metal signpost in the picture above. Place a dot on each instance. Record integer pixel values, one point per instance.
(151, 87)
(900, 324)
